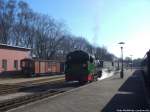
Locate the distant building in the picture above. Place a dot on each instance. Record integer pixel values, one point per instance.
(10, 57)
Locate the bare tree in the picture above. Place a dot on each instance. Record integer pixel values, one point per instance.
(22, 28)
(48, 38)
(49, 34)
(7, 11)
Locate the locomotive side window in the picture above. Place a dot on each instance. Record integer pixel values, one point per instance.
(91, 59)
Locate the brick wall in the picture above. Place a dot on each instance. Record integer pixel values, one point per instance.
(10, 56)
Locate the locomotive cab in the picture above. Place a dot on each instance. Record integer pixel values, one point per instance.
(79, 66)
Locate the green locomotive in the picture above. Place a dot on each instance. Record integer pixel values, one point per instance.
(80, 66)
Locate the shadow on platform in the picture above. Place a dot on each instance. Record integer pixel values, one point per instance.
(130, 96)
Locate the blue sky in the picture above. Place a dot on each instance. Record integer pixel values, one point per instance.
(104, 22)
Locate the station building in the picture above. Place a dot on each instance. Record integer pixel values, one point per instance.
(10, 57)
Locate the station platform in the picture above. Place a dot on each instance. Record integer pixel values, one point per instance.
(12, 81)
(109, 95)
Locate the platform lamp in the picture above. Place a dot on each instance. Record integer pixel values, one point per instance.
(122, 70)
(131, 62)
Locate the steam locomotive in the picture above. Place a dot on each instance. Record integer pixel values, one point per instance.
(80, 66)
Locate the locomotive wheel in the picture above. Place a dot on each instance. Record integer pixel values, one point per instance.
(95, 77)
(82, 82)
(91, 81)
(99, 74)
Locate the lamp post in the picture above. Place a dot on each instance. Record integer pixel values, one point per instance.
(122, 71)
(131, 62)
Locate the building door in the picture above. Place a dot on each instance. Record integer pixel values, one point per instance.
(42, 67)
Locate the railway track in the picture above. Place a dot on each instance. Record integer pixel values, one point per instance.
(40, 93)
(34, 82)
(6, 89)
(16, 102)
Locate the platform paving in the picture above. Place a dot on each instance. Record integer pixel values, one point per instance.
(108, 95)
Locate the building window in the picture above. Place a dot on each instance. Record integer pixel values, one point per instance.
(4, 64)
(16, 64)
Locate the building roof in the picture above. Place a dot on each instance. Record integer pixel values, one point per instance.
(5, 46)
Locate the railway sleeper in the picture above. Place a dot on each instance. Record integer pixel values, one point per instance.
(9, 104)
